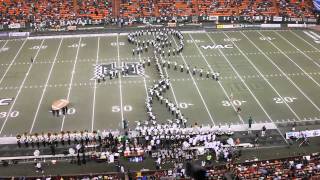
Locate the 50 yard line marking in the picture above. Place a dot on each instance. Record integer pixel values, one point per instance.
(120, 87)
(15, 57)
(95, 89)
(196, 86)
(24, 80)
(45, 87)
(71, 80)
(224, 91)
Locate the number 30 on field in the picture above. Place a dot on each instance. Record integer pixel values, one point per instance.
(118, 108)
(13, 114)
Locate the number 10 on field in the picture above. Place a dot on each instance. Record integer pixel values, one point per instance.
(235, 102)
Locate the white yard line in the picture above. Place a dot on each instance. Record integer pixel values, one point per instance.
(4, 44)
(144, 82)
(289, 79)
(264, 78)
(45, 87)
(290, 60)
(308, 57)
(196, 86)
(22, 84)
(305, 41)
(71, 80)
(15, 57)
(245, 84)
(174, 95)
(120, 86)
(94, 90)
(223, 89)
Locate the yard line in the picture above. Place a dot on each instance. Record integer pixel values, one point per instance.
(245, 84)
(224, 91)
(45, 87)
(120, 87)
(95, 89)
(174, 95)
(71, 80)
(15, 57)
(22, 84)
(144, 81)
(4, 44)
(264, 78)
(290, 60)
(298, 50)
(305, 41)
(195, 84)
(283, 73)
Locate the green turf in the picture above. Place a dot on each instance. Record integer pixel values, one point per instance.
(238, 67)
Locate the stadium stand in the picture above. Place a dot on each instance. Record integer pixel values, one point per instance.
(33, 11)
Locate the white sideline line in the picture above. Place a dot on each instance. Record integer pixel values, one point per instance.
(298, 49)
(295, 114)
(195, 84)
(292, 61)
(120, 87)
(310, 35)
(224, 91)
(245, 84)
(317, 35)
(305, 41)
(282, 72)
(73, 36)
(15, 57)
(71, 80)
(24, 80)
(45, 88)
(94, 90)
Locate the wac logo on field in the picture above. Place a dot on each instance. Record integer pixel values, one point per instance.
(218, 46)
(5, 101)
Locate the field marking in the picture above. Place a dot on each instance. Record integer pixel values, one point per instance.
(196, 86)
(120, 87)
(4, 44)
(45, 87)
(15, 57)
(257, 69)
(94, 90)
(291, 60)
(134, 59)
(174, 95)
(308, 57)
(223, 89)
(140, 81)
(24, 80)
(71, 80)
(290, 80)
(306, 41)
(244, 83)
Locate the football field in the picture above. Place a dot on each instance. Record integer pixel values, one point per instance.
(273, 75)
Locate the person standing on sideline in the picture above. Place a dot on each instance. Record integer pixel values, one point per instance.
(250, 124)
(263, 132)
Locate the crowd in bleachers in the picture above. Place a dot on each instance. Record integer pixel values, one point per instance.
(12, 11)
